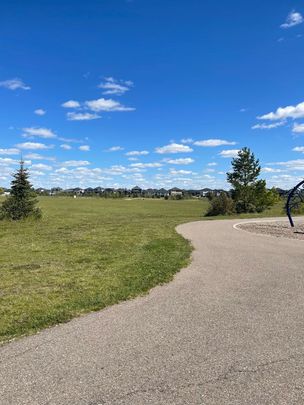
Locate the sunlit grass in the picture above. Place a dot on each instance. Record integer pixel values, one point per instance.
(88, 253)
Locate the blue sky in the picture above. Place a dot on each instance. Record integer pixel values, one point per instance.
(156, 93)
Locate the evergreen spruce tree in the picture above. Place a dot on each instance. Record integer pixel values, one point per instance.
(249, 193)
(22, 200)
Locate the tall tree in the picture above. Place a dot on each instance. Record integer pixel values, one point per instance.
(22, 200)
(249, 193)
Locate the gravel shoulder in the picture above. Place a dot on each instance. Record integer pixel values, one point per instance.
(278, 229)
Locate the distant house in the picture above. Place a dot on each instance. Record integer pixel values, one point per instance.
(123, 192)
(205, 191)
(162, 192)
(136, 191)
(174, 192)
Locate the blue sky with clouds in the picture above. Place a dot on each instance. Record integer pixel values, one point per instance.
(152, 93)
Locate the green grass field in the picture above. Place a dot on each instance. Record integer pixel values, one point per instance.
(88, 253)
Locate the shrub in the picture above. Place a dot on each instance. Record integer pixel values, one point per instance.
(221, 205)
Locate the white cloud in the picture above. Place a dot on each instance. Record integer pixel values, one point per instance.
(34, 146)
(75, 163)
(8, 161)
(103, 104)
(268, 126)
(213, 142)
(84, 148)
(271, 170)
(41, 166)
(282, 113)
(36, 173)
(114, 149)
(116, 87)
(144, 165)
(73, 116)
(66, 146)
(14, 84)
(37, 156)
(174, 148)
(187, 140)
(175, 172)
(39, 132)
(298, 128)
(299, 149)
(9, 151)
(285, 181)
(230, 153)
(71, 104)
(293, 18)
(137, 153)
(292, 165)
(40, 111)
(212, 164)
(181, 161)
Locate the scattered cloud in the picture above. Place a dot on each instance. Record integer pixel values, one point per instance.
(41, 166)
(213, 143)
(298, 128)
(65, 146)
(114, 149)
(71, 104)
(212, 164)
(37, 156)
(14, 84)
(10, 161)
(293, 165)
(145, 165)
(112, 86)
(174, 148)
(33, 146)
(103, 104)
(269, 126)
(39, 132)
(294, 18)
(187, 140)
(73, 116)
(75, 163)
(9, 151)
(230, 153)
(271, 170)
(84, 148)
(40, 111)
(175, 172)
(181, 161)
(137, 153)
(283, 113)
(299, 149)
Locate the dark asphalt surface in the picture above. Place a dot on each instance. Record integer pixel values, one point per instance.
(228, 330)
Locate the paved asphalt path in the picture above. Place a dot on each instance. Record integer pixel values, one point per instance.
(228, 330)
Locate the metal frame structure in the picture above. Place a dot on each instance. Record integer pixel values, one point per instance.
(294, 200)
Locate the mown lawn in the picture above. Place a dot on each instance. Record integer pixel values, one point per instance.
(88, 253)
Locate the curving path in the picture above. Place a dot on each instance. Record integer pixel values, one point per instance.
(228, 330)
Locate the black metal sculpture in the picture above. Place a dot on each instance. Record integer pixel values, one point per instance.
(295, 200)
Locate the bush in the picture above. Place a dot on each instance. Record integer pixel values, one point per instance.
(221, 205)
